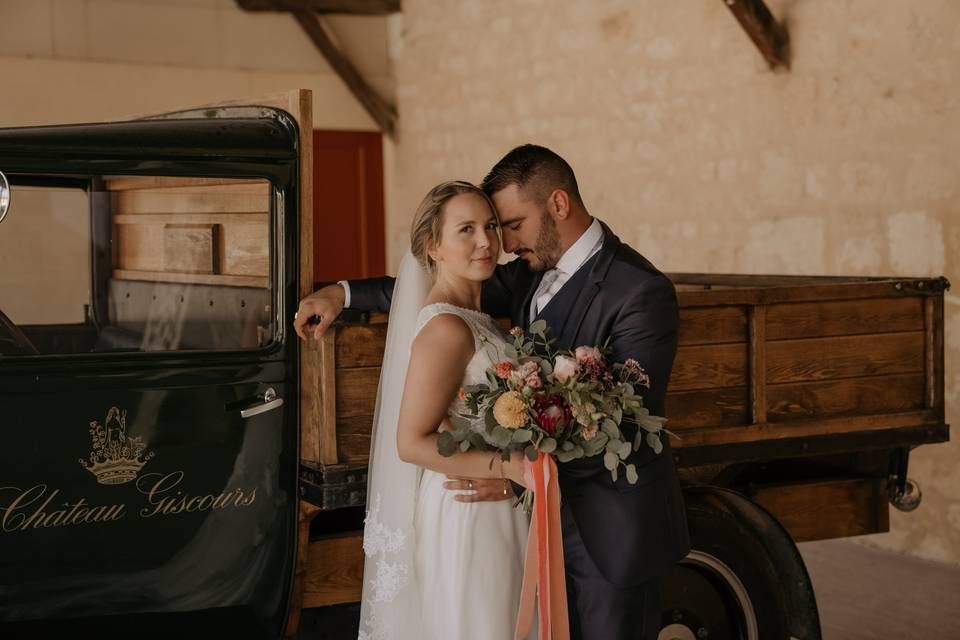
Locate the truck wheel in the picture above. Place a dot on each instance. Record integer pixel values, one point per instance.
(743, 578)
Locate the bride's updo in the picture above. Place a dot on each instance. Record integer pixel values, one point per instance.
(428, 221)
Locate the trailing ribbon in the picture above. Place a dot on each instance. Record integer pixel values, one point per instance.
(543, 573)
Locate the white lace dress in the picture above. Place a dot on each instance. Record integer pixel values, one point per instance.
(469, 556)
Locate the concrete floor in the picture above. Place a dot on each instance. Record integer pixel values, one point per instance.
(871, 594)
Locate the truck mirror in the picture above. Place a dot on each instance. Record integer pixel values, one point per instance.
(4, 196)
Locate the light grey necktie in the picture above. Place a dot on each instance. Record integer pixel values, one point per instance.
(544, 293)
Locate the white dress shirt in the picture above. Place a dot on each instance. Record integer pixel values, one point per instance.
(572, 259)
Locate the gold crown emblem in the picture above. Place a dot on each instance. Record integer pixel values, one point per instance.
(115, 458)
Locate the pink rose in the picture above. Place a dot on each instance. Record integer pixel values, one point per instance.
(534, 382)
(563, 368)
(587, 354)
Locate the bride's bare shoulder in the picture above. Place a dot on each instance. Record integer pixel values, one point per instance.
(445, 333)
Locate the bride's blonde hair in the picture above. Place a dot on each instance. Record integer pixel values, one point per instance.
(428, 221)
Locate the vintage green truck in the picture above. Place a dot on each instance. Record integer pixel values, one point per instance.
(174, 460)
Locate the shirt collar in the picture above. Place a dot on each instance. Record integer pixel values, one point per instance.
(581, 250)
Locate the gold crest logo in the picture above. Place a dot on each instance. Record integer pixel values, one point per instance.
(115, 458)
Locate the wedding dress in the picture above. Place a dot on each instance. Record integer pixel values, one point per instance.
(436, 569)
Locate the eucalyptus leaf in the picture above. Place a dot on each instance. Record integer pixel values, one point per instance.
(617, 414)
(464, 445)
(531, 453)
(632, 474)
(564, 456)
(613, 473)
(654, 441)
(477, 441)
(501, 436)
(610, 461)
(545, 367)
(577, 452)
(549, 445)
(446, 445)
(624, 450)
(609, 427)
(460, 422)
(537, 326)
(638, 439)
(567, 446)
(522, 435)
(510, 351)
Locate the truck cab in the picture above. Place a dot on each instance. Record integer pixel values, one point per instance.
(148, 374)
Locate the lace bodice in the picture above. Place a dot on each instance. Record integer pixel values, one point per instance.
(489, 339)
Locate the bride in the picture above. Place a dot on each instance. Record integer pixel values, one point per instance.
(439, 565)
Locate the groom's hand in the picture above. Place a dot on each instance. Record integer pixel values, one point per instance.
(325, 304)
(483, 490)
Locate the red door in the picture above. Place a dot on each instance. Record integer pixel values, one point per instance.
(348, 205)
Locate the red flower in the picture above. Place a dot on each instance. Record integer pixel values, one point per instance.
(552, 415)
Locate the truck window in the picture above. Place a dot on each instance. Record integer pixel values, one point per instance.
(100, 264)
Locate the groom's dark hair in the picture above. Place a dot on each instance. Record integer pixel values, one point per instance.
(536, 171)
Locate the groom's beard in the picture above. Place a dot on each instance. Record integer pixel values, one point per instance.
(547, 246)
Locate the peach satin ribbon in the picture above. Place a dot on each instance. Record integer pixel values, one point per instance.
(543, 572)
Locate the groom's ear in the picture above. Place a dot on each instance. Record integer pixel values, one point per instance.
(559, 204)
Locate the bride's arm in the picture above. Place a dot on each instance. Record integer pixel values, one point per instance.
(438, 360)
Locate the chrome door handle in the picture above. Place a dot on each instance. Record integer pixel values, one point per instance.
(270, 402)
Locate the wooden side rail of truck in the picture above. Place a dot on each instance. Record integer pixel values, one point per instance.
(796, 401)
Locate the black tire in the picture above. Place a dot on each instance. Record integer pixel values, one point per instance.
(743, 579)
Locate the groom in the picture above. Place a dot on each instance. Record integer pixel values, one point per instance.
(618, 539)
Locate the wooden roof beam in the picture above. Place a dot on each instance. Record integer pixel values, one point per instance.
(354, 7)
(383, 113)
(769, 35)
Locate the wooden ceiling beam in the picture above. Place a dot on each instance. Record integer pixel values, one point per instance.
(354, 7)
(769, 35)
(383, 113)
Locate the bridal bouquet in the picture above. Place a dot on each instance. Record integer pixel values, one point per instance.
(568, 404)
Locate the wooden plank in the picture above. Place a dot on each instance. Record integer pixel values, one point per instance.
(844, 357)
(768, 35)
(335, 573)
(383, 113)
(306, 514)
(709, 408)
(758, 364)
(127, 183)
(357, 391)
(715, 325)
(245, 249)
(191, 248)
(841, 290)
(205, 199)
(192, 278)
(135, 247)
(804, 428)
(709, 367)
(828, 509)
(361, 345)
(148, 219)
(351, 7)
(311, 394)
(353, 439)
(875, 394)
(844, 317)
(329, 400)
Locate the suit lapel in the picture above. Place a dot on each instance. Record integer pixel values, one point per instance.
(578, 310)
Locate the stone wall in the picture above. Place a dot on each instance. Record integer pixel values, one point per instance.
(702, 158)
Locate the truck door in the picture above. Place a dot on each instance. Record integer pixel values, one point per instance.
(149, 398)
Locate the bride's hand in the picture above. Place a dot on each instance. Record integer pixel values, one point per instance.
(484, 489)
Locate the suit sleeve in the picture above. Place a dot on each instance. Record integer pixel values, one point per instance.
(372, 294)
(497, 294)
(645, 329)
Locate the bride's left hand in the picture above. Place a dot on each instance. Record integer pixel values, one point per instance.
(484, 490)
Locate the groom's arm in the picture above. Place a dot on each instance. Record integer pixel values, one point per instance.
(645, 329)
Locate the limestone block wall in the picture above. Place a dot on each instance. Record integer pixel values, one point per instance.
(703, 159)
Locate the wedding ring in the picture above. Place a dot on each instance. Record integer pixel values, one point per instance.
(469, 484)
